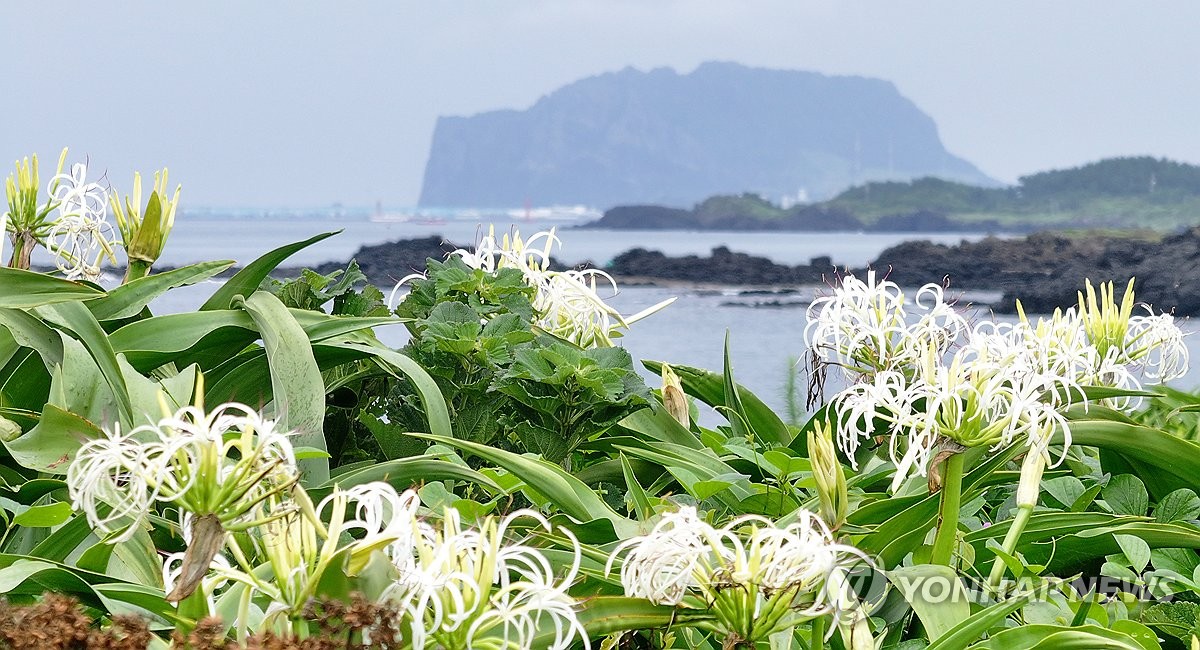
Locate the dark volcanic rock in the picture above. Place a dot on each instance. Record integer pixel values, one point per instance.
(384, 264)
(1045, 271)
(721, 267)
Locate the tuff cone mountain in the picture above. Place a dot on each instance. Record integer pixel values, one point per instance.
(668, 138)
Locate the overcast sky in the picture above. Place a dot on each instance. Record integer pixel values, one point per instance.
(272, 103)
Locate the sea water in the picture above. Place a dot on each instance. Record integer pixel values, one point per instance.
(765, 332)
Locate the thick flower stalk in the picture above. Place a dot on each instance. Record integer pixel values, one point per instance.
(567, 303)
(756, 578)
(461, 588)
(144, 232)
(218, 468)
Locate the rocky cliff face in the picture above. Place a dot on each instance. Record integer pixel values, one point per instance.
(665, 138)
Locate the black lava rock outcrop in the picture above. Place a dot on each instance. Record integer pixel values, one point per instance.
(384, 264)
(1044, 270)
(723, 266)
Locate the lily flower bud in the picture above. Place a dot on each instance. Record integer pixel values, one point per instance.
(829, 475)
(1031, 479)
(673, 397)
(145, 233)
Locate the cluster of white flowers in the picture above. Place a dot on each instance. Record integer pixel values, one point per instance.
(567, 303)
(923, 376)
(225, 463)
(81, 238)
(757, 578)
(458, 586)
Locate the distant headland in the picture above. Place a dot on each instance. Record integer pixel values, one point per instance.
(667, 138)
(1134, 192)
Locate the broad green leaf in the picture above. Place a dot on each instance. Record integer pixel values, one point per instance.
(247, 281)
(1126, 495)
(152, 342)
(22, 289)
(29, 331)
(51, 445)
(297, 389)
(1179, 619)
(935, 593)
(1180, 505)
(1065, 489)
(52, 514)
(84, 327)
(1136, 550)
(129, 299)
(658, 424)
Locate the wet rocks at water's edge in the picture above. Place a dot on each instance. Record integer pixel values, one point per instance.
(1043, 270)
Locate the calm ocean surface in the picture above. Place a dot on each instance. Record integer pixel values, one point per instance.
(690, 332)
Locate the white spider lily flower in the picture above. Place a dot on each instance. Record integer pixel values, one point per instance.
(222, 463)
(567, 303)
(80, 243)
(461, 588)
(864, 326)
(756, 578)
(1155, 343)
(81, 237)
(661, 566)
(113, 481)
(883, 400)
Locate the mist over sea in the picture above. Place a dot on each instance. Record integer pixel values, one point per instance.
(766, 330)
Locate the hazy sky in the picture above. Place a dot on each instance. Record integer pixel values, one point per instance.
(305, 104)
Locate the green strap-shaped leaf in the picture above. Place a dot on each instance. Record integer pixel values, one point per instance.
(83, 326)
(129, 299)
(1068, 541)
(150, 343)
(246, 281)
(23, 289)
(1162, 451)
(605, 615)
(969, 630)
(29, 331)
(431, 396)
(402, 473)
(296, 385)
(51, 445)
(568, 493)
(1084, 637)
(935, 593)
(709, 387)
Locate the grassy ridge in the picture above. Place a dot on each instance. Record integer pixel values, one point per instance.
(1141, 192)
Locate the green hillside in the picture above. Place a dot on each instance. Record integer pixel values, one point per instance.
(1116, 192)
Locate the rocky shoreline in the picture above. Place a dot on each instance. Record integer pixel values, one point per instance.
(1043, 270)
